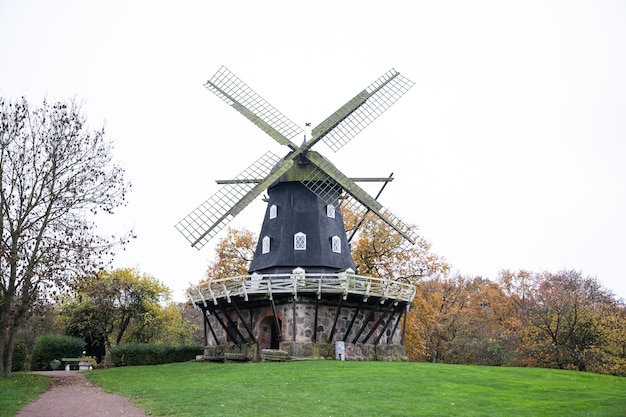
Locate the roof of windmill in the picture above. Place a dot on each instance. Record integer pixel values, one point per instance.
(301, 170)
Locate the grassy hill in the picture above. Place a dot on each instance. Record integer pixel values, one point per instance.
(332, 388)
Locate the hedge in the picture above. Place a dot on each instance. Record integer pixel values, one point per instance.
(133, 354)
(50, 347)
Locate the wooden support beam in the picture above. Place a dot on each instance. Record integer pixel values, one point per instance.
(207, 325)
(206, 329)
(356, 313)
(276, 322)
(380, 319)
(365, 321)
(406, 310)
(382, 332)
(315, 320)
(234, 326)
(332, 332)
(294, 324)
(224, 326)
(252, 338)
(395, 326)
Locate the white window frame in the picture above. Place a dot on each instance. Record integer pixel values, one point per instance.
(266, 244)
(330, 211)
(273, 211)
(299, 241)
(335, 243)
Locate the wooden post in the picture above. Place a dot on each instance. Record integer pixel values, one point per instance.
(332, 332)
(207, 326)
(225, 327)
(381, 318)
(404, 325)
(382, 332)
(252, 338)
(276, 322)
(315, 320)
(234, 325)
(293, 325)
(356, 313)
(395, 326)
(365, 321)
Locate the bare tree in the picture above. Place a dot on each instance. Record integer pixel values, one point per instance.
(56, 175)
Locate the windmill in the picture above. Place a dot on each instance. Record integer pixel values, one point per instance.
(302, 257)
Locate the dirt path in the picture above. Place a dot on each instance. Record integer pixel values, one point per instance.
(72, 395)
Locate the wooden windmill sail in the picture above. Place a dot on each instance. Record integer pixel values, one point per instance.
(302, 293)
(301, 167)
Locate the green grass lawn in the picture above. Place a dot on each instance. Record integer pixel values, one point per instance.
(19, 390)
(332, 388)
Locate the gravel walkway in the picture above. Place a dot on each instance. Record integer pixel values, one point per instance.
(72, 395)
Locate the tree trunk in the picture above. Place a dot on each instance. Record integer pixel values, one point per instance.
(3, 338)
(5, 331)
(9, 354)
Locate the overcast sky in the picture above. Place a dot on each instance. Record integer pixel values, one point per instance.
(508, 152)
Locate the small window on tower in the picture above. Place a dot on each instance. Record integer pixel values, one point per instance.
(336, 244)
(273, 211)
(330, 211)
(299, 241)
(266, 244)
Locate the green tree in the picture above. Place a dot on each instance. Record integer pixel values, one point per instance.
(122, 306)
(56, 174)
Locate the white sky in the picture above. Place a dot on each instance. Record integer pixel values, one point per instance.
(508, 152)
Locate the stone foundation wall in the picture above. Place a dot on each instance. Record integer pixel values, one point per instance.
(305, 323)
(352, 352)
(216, 352)
(302, 342)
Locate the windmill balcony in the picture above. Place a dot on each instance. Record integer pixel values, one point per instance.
(318, 284)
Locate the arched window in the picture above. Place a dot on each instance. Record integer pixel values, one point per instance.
(273, 211)
(266, 244)
(299, 241)
(335, 243)
(330, 211)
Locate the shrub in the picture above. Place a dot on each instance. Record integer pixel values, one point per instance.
(133, 354)
(50, 347)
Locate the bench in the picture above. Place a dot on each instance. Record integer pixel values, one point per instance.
(83, 363)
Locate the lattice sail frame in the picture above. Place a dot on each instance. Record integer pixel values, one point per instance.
(323, 186)
(329, 191)
(325, 180)
(246, 101)
(352, 205)
(347, 122)
(217, 210)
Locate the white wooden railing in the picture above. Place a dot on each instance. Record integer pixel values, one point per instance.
(297, 283)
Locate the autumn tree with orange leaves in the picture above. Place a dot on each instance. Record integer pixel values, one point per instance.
(233, 254)
(562, 320)
(567, 320)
